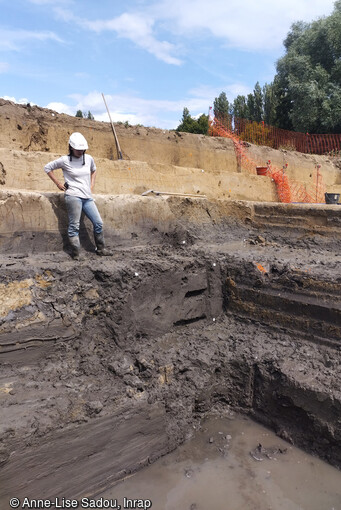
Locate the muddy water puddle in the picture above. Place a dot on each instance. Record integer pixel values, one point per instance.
(234, 464)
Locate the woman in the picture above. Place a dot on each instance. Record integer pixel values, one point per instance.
(79, 172)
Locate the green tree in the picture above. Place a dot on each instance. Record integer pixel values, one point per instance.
(84, 115)
(240, 108)
(269, 104)
(190, 125)
(250, 103)
(186, 124)
(250, 107)
(308, 80)
(258, 103)
(283, 101)
(203, 124)
(221, 107)
(297, 29)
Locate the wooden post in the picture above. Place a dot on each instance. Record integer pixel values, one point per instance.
(113, 130)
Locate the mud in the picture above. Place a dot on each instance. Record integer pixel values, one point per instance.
(214, 469)
(109, 363)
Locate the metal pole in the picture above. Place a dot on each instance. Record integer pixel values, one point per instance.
(145, 193)
(113, 130)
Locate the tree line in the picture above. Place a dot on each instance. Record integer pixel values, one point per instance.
(305, 94)
(84, 115)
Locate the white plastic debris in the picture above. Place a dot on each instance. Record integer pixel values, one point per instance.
(214, 264)
(213, 319)
(183, 242)
(136, 274)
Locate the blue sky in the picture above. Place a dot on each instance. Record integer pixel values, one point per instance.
(150, 58)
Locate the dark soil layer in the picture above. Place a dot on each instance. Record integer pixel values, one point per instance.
(110, 362)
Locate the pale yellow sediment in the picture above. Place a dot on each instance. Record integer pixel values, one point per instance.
(15, 295)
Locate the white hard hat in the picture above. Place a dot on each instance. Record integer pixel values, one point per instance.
(78, 142)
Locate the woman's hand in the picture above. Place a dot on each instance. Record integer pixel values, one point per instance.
(55, 180)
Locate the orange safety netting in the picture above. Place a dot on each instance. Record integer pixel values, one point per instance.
(260, 133)
(288, 190)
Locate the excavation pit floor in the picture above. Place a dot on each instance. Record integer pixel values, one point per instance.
(109, 363)
(223, 466)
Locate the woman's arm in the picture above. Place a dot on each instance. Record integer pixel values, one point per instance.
(55, 180)
(93, 179)
(49, 169)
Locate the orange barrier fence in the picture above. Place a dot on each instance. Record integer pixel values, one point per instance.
(260, 133)
(287, 189)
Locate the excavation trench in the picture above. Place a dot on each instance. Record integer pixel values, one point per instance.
(226, 303)
(106, 365)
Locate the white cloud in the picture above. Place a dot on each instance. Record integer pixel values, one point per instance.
(137, 27)
(23, 100)
(61, 108)
(249, 26)
(4, 67)
(133, 110)
(124, 107)
(118, 117)
(65, 15)
(14, 39)
(210, 92)
(136, 110)
(92, 103)
(49, 2)
(82, 75)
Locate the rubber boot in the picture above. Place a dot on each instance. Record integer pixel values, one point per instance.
(75, 247)
(101, 250)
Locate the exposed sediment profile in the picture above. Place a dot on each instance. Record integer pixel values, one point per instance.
(108, 363)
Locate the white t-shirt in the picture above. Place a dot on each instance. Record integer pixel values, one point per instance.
(77, 175)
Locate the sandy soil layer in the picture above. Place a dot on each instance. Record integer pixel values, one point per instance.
(31, 136)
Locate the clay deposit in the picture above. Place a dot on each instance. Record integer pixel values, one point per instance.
(227, 302)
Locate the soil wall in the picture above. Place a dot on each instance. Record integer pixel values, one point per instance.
(25, 171)
(152, 158)
(108, 364)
